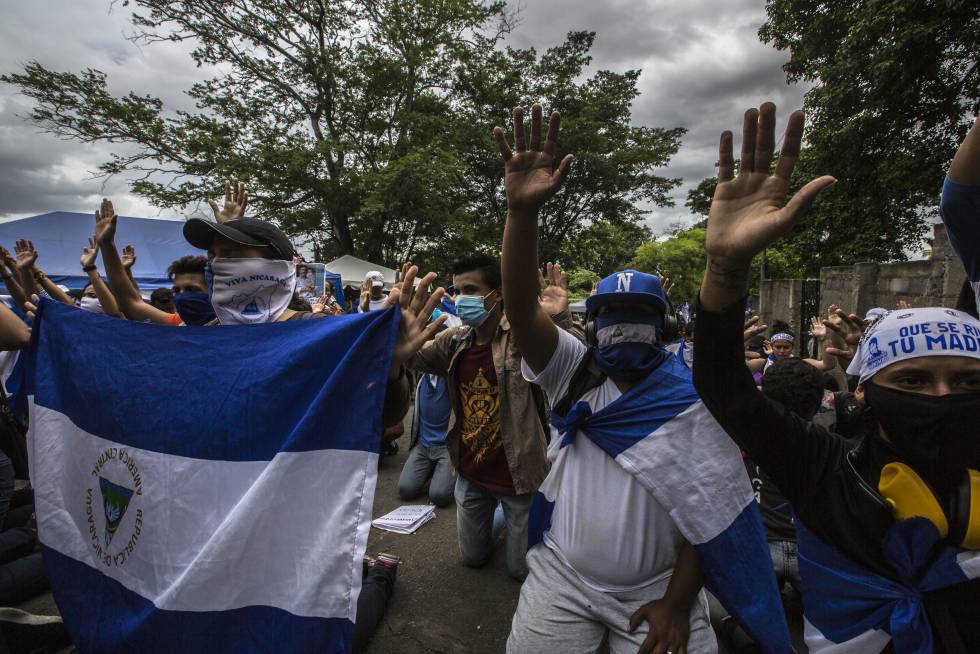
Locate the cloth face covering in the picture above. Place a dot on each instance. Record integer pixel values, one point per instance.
(194, 308)
(92, 304)
(250, 291)
(913, 333)
(471, 309)
(933, 434)
(626, 344)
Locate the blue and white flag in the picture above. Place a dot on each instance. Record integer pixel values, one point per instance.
(661, 433)
(206, 489)
(851, 610)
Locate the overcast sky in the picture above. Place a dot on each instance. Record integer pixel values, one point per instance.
(702, 66)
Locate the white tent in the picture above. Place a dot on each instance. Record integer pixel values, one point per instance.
(352, 270)
(578, 307)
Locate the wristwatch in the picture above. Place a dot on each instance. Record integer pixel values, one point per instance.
(89, 268)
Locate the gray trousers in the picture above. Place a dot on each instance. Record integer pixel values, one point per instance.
(558, 612)
(422, 464)
(474, 525)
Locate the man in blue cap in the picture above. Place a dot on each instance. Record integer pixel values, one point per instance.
(643, 483)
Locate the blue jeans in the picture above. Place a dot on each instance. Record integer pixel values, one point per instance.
(21, 570)
(784, 562)
(475, 507)
(422, 464)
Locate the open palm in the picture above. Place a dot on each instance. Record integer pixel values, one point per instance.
(26, 254)
(530, 176)
(417, 304)
(90, 253)
(748, 212)
(105, 223)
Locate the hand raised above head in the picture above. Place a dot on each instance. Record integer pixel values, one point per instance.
(749, 211)
(128, 256)
(25, 253)
(90, 253)
(530, 176)
(417, 304)
(236, 201)
(105, 223)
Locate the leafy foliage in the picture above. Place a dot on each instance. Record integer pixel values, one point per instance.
(366, 126)
(895, 84)
(680, 257)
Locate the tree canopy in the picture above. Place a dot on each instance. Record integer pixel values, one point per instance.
(896, 83)
(366, 125)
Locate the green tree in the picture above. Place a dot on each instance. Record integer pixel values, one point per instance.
(580, 283)
(680, 257)
(366, 125)
(895, 83)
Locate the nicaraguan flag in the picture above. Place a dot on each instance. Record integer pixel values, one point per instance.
(206, 489)
(661, 433)
(851, 610)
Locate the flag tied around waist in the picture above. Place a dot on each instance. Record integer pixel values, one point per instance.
(662, 434)
(206, 489)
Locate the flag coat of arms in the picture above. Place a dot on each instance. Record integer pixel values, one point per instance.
(206, 489)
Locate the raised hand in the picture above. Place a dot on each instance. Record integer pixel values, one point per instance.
(554, 289)
(849, 329)
(26, 254)
(902, 305)
(417, 305)
(749, 212)
(8, 260)
(105, 223)
(817, 328)
(90, 253)
(236, 201)
(530, 177)
(128, 256)
(320, 304)
(751, 328)
(667, 285)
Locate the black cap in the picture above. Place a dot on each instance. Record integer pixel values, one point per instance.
(246, 231)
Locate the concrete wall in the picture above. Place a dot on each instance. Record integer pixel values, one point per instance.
(930, 282)
(779, 299)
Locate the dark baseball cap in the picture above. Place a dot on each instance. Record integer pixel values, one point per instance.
(246, 231)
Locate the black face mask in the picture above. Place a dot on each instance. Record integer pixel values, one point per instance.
(933, 434)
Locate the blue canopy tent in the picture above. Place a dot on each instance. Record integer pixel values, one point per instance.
(60, 236)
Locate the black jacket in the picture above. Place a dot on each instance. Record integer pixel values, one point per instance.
(829, 479)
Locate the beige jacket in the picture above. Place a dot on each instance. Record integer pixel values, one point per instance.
(524, 429)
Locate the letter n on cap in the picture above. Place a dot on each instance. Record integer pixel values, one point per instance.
(623, 280)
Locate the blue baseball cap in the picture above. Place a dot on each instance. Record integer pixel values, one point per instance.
(629, 286)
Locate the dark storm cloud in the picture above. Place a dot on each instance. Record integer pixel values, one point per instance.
(702, 64)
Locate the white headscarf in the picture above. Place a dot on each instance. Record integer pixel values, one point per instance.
(912, 333)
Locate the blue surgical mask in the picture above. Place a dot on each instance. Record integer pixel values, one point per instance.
(471, 309)
(194, 308)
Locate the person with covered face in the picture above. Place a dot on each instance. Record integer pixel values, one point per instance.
(888, 525)
(643, 485)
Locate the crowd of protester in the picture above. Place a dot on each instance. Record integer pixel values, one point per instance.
(872, 432)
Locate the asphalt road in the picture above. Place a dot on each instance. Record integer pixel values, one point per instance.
(439, 605)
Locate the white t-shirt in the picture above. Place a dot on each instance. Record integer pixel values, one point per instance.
(373, 305)
(605, 526)
(684, 350)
